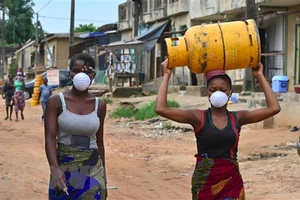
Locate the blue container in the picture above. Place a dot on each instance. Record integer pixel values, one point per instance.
(280, 84)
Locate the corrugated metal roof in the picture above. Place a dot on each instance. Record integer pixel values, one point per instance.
(61, 35)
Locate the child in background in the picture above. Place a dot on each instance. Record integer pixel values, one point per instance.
(45, 93)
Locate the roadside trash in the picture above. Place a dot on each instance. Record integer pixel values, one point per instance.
(112, 187)
(294, 128)
(234, 98)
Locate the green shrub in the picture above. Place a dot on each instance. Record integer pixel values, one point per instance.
(12, 69)
(145, 112)
(125, 112)
(148, 111)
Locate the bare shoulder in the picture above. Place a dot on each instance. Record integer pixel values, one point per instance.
(54, 101)
(54, 107)
(196, 112)
(102, 104)
(101, 107)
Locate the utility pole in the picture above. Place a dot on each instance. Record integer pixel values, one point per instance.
(3, 41)
(251, 13)
(37, 40)
(71, 39)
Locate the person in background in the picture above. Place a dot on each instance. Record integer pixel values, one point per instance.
(74, 122)
(8, 92)
(44, 94)
(19, 100)
(217, 131)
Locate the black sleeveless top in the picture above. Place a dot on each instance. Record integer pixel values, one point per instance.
(215, 143)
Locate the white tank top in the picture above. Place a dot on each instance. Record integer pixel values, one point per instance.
(74, 124)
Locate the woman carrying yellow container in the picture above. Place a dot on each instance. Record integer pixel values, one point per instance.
(217, 130)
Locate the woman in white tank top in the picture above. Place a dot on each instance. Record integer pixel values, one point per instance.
(74, 137)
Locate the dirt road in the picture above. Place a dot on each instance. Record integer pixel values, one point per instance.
(146, 162)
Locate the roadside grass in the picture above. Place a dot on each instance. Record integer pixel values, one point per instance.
(143, 113)
(107, 100)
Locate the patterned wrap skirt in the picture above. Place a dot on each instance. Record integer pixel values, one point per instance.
(19, 101)
(217, 179)
(84, 173)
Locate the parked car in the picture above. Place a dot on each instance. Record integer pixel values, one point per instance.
(64, 80)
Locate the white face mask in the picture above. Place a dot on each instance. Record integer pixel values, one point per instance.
(218, 99)
(81, 81)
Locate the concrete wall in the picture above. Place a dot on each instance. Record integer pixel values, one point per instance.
(154, 10)
(126, 35)
(159, 13)
(61, 53)
(178, 7)
(26, 57)
(288, 115)
(52, 43)
(230, 5)
(203, 8)
(124, 24)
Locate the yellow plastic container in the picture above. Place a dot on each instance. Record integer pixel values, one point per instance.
(227, 46)
(39, 77)
(33, 102)
(35, 96)
(36, 90)
(37, 83)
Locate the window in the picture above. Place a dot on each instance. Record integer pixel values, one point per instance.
(122, 12)
(51, 56)
(145, 6)
(157, 4)
(173, 1)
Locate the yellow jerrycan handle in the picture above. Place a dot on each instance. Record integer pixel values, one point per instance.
(177, 54)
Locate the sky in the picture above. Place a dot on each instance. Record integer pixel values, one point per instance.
(54, 15)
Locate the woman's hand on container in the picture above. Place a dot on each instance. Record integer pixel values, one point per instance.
(58, 178)
(258, 71)
(164, 65)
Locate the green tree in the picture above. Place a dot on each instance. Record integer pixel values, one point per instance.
(12, 69)
(85, 28)
(19, 25)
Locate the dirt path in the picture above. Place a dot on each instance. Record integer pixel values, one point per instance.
(145, 163)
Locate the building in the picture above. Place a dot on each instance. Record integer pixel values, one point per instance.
(54, 49)
(278, 22)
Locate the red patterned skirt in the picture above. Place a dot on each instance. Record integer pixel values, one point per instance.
(217, 179)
